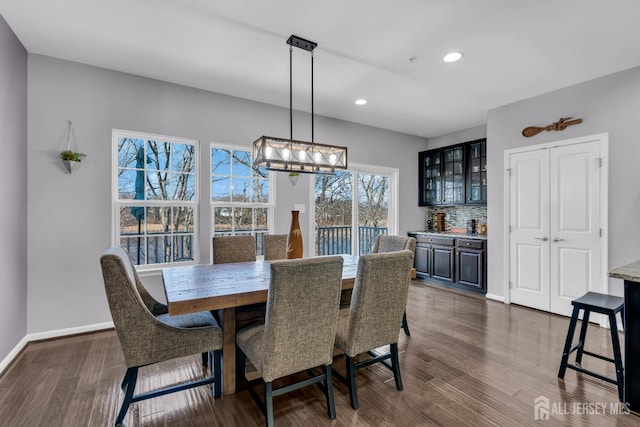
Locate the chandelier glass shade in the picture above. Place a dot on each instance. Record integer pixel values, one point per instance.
(290, 155)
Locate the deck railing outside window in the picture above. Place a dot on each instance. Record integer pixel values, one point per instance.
(329, 241)
(337, 239)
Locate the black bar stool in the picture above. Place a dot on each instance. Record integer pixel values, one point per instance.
(598, 303)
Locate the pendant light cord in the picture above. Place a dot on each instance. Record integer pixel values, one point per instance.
(291, 95)
(290, 92)
(312, 140)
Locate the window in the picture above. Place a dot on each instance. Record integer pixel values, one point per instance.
(155, 197)
(240, 195)
(352, 208)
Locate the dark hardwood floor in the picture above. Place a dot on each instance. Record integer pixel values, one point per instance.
(468, 362)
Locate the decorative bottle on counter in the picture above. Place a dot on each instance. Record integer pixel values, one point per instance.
(294, 244)
(440, 222)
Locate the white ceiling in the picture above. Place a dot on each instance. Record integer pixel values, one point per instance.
(513, 49)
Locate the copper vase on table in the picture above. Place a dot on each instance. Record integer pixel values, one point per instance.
(294, 244)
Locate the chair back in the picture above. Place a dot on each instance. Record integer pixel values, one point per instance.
(302, 314)
(378, 300)
(132, 318)
(227, 249)
(387, 243)
(275, 246)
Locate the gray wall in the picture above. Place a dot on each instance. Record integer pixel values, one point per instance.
(608, 104)
(13, 190)
(70, 215)
(453, 138)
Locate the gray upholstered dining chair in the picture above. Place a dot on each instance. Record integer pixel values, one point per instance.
(299, 331)
(377, 303)
(275, 246)
(386, 243)
(147, 338)
(228, 249)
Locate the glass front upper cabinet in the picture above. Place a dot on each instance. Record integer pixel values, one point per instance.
(454, 175)
(454, 179)
(430, 177)
(477, 172)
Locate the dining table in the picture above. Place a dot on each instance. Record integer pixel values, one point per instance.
(205, 287)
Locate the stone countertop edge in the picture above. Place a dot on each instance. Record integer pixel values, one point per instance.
(630, 272)
(458, 235)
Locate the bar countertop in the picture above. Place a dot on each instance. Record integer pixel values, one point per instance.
(475, 236)
(629, 272)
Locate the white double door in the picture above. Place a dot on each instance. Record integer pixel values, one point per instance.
(555, 221)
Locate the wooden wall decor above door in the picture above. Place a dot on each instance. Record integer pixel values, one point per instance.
(559, 125)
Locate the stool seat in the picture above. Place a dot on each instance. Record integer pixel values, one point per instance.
(608, 305)
(600, 303)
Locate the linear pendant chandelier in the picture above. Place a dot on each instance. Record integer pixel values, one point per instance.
(291, 155)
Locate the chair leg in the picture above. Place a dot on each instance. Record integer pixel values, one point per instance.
(241, 366)
(268, 403)
(331, 406)
(217, 373)
(583, 336)
(617, 356)
(395, 364)
(205, 359)
(405, 325)
(568, 341)
(129, 381)
(351, 380)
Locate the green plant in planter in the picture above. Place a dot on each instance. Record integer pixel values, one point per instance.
(72, 156)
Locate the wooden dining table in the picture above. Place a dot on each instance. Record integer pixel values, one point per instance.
(190, 289)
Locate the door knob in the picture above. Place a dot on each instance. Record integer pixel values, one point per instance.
(557, 239)
(544, 239)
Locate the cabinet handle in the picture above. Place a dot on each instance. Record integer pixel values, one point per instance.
(557, 239)
(544, 239)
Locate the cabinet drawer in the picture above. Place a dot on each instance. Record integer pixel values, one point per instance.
(470, 243)
(436, 240)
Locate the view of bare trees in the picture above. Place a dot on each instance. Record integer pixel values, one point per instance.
(334, 199)
(373, 193)
(157, 170)
(233, 181)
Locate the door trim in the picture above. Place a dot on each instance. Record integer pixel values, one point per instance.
(603, 140)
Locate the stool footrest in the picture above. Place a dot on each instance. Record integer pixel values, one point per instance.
(599, 356)
(588, 372)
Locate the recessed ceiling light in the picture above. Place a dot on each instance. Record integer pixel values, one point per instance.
(452, 57)
(361, 101)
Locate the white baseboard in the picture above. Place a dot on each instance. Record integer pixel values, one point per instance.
(13, 354)
(69, 331)
(48, 335)
(495, 297)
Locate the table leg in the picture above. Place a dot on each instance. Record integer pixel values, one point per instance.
(229, 350)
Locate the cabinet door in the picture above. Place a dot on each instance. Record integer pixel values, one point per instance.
(430, 177)
(442, 263)
(422, 259)
(470, 268)
(453, 180)
(477, 172)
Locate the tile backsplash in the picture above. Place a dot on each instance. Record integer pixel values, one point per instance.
(457, 216)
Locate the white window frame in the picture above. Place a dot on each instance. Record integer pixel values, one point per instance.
(117, 203)
(215, 204)
(356, 168)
